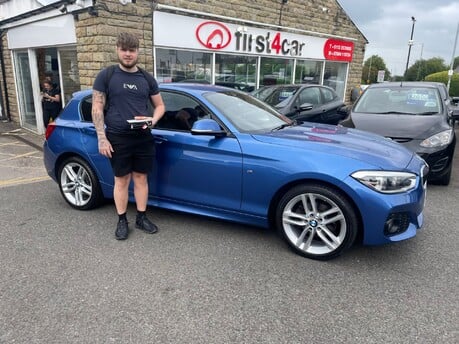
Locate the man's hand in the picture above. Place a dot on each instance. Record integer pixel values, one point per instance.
(105, 148)
(149, 122)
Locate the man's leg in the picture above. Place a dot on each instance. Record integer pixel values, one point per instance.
(141, 198)
(140, 190)
(120, 195)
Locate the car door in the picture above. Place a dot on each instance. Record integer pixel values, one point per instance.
(198, 170)
(330, 105)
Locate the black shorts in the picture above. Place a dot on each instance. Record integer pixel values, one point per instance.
(133, 152)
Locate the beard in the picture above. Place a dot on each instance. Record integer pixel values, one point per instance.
(128, 65)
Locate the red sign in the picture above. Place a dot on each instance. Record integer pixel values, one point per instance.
(213, 35)
(337, 50)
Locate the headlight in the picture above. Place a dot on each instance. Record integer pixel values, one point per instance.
(441, 139)
(386, 181)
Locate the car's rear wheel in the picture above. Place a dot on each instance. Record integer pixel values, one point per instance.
(79, 184)
(317, 221)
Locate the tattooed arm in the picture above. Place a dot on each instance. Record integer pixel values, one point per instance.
(98, 104)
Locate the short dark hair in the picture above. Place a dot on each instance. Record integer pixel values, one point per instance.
(127, 40)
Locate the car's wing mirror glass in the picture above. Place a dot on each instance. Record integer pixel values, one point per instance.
(207, 127)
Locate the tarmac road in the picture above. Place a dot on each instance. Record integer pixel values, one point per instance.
(65, 279)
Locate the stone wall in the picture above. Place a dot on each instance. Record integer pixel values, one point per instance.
(96, 36)
(9, 95)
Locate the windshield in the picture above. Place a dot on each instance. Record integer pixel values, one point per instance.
(401, 100)
(245, 112)
(276, 96)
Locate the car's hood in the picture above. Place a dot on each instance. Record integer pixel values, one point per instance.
(338, 140)
(399, 126)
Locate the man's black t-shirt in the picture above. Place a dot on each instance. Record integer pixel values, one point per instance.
(128, 96)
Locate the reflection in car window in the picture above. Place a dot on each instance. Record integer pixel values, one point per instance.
(245, 112)
(181, 112)
(310, 95)
(277, 96)
(328, 95)
(401, 100)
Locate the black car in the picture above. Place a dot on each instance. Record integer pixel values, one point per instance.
(419, 115)
(303, 102)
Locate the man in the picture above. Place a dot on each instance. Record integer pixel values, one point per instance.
(127, 92)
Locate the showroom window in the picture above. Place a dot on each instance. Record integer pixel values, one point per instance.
(240, 72)
(275, 71)
(182, 65)
(308, 72)
(236, 71)
(335, 76)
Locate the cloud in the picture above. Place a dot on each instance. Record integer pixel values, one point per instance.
(387, 26)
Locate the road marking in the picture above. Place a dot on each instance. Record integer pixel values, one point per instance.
(21, 180)
(19, 156)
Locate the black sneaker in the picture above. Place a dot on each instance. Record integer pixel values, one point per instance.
(143, 223)
(122, 230)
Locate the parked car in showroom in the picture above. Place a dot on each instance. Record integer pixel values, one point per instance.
(303, 102)
(418, 115)
(322, 187)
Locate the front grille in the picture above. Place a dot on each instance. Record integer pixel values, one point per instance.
(400, 139)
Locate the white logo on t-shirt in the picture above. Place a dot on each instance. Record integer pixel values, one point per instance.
(131, 87)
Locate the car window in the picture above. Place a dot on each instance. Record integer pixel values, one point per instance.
(278, 96)
(310, 95)
(181, 112)
(409, 100)
(328, 95)
(245, 112)
(86, 109)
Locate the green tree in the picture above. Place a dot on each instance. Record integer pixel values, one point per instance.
(456, 62)
(421, 68)
(371, 67)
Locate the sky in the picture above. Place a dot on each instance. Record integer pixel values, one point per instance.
(387, 25)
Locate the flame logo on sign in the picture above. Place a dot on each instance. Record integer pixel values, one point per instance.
(213, 35)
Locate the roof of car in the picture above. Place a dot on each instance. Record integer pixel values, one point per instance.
(407, 83)
(441, 87)
(197, 87)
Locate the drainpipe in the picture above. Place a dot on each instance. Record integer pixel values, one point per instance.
(5, 86)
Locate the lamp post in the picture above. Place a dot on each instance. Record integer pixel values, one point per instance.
(420, 62)
(450, 71)
(410, 44)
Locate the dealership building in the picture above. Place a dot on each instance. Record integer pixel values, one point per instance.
(241, 44)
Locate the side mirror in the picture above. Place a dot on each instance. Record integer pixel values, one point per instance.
(455, 101)
(207, 127)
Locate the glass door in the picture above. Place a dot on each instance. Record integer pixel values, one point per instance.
(25, 91)
(68, 69)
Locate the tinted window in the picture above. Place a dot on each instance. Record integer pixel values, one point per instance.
(310, 95)
(86, 109)
(181, 112)
(328, 95)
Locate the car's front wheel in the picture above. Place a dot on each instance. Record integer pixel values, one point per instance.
(79, 184)
(317, 221)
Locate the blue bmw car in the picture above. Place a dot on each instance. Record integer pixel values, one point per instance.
(235, 158)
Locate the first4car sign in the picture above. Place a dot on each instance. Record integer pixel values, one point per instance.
(196, 33)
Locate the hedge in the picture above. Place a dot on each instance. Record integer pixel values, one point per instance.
(443, 77)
